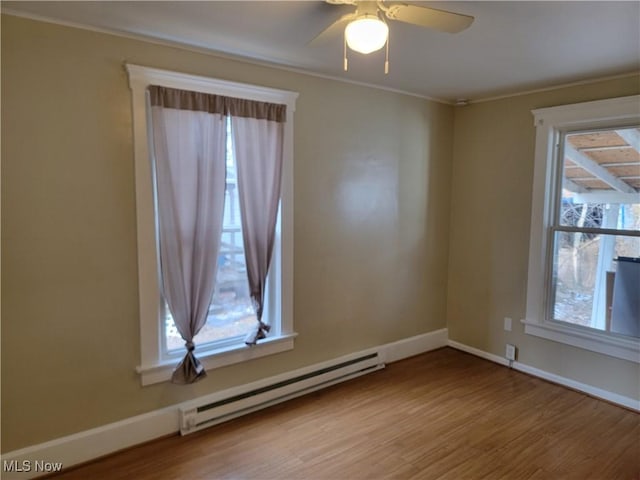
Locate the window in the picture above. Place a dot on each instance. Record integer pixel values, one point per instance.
(221, 341)
(584, 259)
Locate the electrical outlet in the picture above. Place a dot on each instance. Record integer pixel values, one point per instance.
(507, 324)
(511, 352)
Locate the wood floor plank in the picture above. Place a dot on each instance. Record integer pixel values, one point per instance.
(441, 415)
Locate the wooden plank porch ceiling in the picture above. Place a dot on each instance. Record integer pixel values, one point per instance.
(606, 160)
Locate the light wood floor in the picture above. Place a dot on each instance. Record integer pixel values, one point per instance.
(440, 415)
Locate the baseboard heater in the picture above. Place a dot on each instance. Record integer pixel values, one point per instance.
(194, 418)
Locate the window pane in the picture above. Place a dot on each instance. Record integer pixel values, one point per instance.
(594, 286)
(601, 178)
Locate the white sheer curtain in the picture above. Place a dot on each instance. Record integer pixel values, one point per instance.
(258, 145)
(189, 140)
(190, 167)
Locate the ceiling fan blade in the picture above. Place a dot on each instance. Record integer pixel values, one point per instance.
(332, 30)
(440, 20)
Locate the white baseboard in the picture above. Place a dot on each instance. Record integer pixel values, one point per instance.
(409, 347)
(627, 402)
(98, 442)
(89, 444)
(477, 352)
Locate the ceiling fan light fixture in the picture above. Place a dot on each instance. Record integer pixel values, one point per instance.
(366, 33)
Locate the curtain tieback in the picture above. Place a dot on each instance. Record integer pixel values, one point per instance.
(264, 326)
(257, 333)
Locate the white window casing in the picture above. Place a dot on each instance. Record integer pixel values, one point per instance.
(549, 123)
(153, 367)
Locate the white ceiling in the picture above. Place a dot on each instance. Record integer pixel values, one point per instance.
(512, 46)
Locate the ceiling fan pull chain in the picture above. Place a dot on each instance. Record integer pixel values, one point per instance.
(386, 58)
(346, 62)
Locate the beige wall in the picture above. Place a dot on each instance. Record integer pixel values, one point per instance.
(489, 242)
(372, 177)
(378, 176)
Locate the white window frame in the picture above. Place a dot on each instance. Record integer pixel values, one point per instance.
(153, 366)
(550, 122)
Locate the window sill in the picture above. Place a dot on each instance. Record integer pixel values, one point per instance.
(625, 348)
(161, 372)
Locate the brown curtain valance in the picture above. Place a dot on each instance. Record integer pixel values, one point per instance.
(206, 102)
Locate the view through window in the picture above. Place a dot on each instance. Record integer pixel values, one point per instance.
(231, 313)
(596, 232)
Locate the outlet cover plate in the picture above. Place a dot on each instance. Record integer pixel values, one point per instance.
(507, 324)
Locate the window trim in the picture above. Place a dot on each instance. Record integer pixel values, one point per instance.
(153, 368)
(549, 122)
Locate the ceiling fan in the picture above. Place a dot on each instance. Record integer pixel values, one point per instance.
(366, 30)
